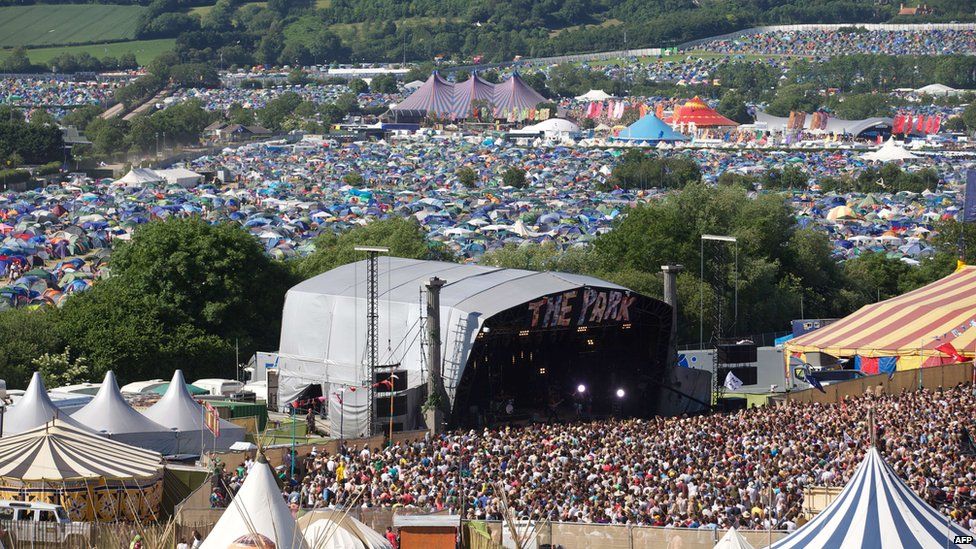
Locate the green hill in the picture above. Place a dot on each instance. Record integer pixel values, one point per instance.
(65, 24)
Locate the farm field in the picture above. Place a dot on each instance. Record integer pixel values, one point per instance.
(145, 50)
(65, 24)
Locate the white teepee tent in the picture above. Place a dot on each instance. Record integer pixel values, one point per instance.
(33, 410)
(178, 410)
(257, 509)
(733, 540)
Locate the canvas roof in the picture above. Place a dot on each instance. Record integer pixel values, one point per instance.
(650, 128)
(733, 540)
(697, 112)
(594, 95)
(178, 410)
(889, 152)
(875, 510)
(330, 519)
(109, 413)
(257, 508)
(899, 326)
(444, 98)
(60, 451)
(34, 409)
(140, 176)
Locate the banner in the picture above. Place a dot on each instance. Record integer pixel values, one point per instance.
(212, 419)
(969, 207)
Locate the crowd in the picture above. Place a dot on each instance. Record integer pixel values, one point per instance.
(830, 43)
(744, 470)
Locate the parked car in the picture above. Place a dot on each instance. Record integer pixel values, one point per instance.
(36, 522)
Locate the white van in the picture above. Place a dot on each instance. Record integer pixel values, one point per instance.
(219, 387)
(32, 521)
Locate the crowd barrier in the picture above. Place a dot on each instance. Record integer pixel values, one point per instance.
(933, 377)
(492, 535)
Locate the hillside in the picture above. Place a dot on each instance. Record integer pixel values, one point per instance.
(57, 24)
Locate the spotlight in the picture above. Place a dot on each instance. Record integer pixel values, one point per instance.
(620, 393)
(581, 388)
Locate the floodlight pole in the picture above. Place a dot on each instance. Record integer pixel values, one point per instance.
(717, 329)
(372, 326)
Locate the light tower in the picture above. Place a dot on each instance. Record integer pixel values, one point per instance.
(372, 326)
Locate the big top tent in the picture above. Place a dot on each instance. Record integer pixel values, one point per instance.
(696, 112)
(91, 476)
(875, 510)
(909, 327)
(650, 128)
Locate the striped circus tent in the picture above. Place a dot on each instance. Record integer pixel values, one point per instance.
(91, 476)
(474, 88)
(515, 95)
(436, 95)
(910, 327)
(876, 510)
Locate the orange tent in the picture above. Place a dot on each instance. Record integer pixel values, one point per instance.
(697, 112)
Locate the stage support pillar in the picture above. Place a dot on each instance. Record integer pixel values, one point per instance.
(671, 298)
(434, 408)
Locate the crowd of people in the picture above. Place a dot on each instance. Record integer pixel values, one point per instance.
(745, 470)
(831, 43)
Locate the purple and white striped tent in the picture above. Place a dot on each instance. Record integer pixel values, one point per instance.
(449, 100)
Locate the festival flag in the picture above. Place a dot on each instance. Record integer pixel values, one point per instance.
(920, 124)
(732, 383)
(898, 124)
(969, 206)
(212, 419)
(949, 349)
(908, 125)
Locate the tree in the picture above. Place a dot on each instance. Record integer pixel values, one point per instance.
(514, 177)
(354, 179)
(638, 170)
(383, 83)
(16, 61)
(969, 117)
(403, 237)
(468, 177)
(25, 335)
(358, 86)
(183, 292)
(59, 369)
(732, 106)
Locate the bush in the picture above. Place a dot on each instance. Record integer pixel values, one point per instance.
(514, 177)
(14, 176)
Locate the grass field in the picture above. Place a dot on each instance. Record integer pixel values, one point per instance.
(56, 24)
(145, 50)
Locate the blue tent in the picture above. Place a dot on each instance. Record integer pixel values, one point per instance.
(876, 509)
(650, 128)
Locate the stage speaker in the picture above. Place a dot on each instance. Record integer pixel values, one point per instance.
(732, 404)
(383, 406)
(399, 383)
(737, 354)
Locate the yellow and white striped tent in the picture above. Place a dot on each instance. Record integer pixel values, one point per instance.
(910, 326)
(92, 476)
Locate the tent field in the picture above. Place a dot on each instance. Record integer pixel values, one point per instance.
(64, 24)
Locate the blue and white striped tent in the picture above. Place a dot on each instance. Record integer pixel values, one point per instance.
(876, 510)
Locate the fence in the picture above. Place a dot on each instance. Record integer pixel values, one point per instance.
(949, 375)
(22, 534)
(491, 535)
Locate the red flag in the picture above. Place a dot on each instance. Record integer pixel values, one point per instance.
(937, 125)
(949, 349)
(898, 124)
(385, 383)
(908, 125)
(920, 124)
(930, 125)
(212, 419)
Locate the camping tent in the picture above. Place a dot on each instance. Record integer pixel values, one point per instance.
(92, 477)
(34, 409)
(257, 508)
(875, 510)
(594, 95)
(180, 176)
(889, 152)
(110, 414)
(733, 540)
(177, 410)
(651, 129)
(909, 327)
(318, 525)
